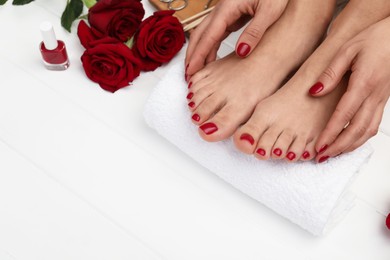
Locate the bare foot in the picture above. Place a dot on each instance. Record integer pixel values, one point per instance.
(224, 94)
(288, 123)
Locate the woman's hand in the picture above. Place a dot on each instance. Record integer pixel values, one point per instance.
(359, 112)
(229, 16)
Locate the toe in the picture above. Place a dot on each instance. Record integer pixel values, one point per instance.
(296, 149)
(228, 119)
(204, 109)
(309, 151)
(282, 144)
(266, 142)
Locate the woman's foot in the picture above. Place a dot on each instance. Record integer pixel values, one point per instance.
(287, 124)
(224, 94)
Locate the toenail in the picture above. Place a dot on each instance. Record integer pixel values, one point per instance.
(243, 49)
(323, 149)
(196, 117)
(209, 128)
(189, 84)
(261, 152)
(277, 152)
(306, 155)
(323, 159)
(191, 104)
(316, 88)
(247, 137)
(291, 156)
(190, 95)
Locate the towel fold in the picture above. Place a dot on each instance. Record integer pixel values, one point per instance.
(305, 192)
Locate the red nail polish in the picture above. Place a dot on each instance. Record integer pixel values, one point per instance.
(323, 149)
(306, 155)
(243, 49)
(209, 128)
(291, 156)
(388, 221)
(53, 51)
(261, 152)
(190, 84)
(191, 104)
(196, 117)
(323, 159)
(247, 137)
(190, 95)
(277, 152)
(316, 88)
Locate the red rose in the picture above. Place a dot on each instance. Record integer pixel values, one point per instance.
(388, 221)
(110, 63)
(116, 18)
(86, 35)
(159, 38)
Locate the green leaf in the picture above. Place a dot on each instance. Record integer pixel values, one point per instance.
(2, 2)
(89, 3)
(72, 11)
(130, 42)
(21, 2)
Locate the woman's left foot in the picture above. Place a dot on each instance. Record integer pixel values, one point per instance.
(287, 124)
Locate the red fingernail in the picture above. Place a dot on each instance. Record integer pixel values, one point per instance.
(291, 156)
(190, 84)
(316, 88)
(196, 117)
(191, 104)
(323, 149)
(190, 95)
(323, 159)
(388, 221)
(243, 49)
(277, 152)
(306, 155)
(209, 128)
(261, 152)
(247, 137)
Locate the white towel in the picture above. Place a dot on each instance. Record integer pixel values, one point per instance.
(305, 193)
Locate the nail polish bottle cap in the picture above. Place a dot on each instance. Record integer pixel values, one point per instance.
(49, 37)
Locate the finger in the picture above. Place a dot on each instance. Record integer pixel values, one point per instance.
(372, 130)
(333, 74)
(252, 34)
(195, 37)
(213, 54)
(212, 35)
(357, 128)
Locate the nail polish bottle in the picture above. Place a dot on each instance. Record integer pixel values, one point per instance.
(53, 51)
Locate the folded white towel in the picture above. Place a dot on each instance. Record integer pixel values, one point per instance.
(306, 193)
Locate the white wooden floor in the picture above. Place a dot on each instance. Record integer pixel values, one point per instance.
(83, 177)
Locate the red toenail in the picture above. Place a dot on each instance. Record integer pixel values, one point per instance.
(243, 49)
(306, 155)
(196, 117)
(209, 128)
(323, 159)
(190, 95)
(291, 156)
(388, 221)
(277, 152)
(189, 84)
(316, 88)
(191, 104)
(261, 152)
(323, 149)
(247, 137)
